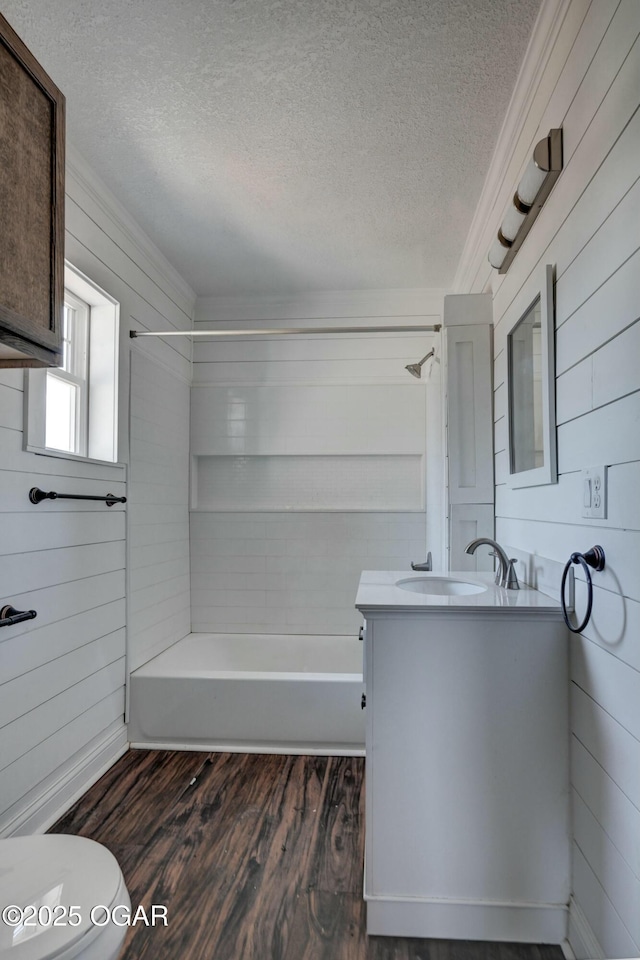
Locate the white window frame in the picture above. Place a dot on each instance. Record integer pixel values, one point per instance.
(97, 421)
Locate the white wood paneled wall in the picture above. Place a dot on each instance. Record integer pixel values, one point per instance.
(589, 228)
(62, 676)
(314, 403)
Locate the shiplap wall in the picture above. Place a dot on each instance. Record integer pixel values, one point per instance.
(590, 229)
(332, 399)
(62, 676)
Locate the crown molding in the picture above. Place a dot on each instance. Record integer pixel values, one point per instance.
(489, 210)
(78, 168)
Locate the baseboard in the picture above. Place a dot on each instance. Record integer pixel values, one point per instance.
(466, 920)
(60, 794)
(582, 939)
(294, 750)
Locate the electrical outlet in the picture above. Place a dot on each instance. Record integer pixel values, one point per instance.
(594, 493)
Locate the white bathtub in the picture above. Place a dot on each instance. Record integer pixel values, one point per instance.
(251, 693)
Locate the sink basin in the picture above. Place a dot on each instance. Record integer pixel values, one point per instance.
(440, 586)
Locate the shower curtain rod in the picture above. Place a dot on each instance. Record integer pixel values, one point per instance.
(284, 331)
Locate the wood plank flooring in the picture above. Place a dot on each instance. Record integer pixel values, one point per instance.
(255, 857)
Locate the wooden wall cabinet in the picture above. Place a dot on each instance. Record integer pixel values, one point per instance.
(32, 123)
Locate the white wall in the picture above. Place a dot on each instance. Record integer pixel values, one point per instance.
(62, 676)
(589, 228)
(309, 460)
(159, 612)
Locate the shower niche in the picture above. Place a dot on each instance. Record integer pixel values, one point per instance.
(282, 482)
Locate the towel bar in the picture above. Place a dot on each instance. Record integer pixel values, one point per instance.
(9, 615)
(37, 496)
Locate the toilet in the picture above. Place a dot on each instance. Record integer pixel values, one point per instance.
(51, 874)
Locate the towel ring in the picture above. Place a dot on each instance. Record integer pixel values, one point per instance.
(592, 558)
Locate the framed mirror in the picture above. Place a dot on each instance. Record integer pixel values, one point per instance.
(531, 409)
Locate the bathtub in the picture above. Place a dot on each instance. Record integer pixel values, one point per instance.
(251, 693)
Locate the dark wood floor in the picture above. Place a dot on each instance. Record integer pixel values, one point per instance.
(256, 858)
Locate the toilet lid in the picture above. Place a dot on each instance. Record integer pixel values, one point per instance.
(52, 871)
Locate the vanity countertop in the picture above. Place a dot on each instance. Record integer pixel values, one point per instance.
(378, 593)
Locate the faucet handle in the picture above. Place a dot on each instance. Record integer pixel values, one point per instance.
(511, 581)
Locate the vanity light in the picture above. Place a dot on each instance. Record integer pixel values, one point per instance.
(535, 186)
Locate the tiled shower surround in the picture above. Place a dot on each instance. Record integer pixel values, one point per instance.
(292, 573)
(313, 458)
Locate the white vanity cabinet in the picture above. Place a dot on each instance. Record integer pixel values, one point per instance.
(467, 832)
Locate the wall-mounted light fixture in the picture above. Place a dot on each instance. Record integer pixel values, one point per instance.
(542, 172)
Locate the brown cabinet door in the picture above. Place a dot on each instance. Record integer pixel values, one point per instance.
(32, 111)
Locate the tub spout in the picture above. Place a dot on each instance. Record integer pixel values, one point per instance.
(427, 565)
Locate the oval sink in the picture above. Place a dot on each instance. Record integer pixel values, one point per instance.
(440, 586)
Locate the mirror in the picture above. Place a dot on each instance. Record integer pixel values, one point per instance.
(531, 392)
(525, 354)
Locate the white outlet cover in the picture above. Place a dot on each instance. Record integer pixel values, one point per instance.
(596, 478)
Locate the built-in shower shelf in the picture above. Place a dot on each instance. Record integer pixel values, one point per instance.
(325, 482)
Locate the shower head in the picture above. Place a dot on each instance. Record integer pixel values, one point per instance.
(415, 369)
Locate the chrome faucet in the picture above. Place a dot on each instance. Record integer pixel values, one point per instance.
(427, 565)
(506, 573)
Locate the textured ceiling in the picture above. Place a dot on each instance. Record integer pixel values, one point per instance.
(272, 146)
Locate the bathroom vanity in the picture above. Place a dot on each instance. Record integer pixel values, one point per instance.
(467, 737)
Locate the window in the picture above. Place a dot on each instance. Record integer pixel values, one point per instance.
(72, 409)
(67, 388)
